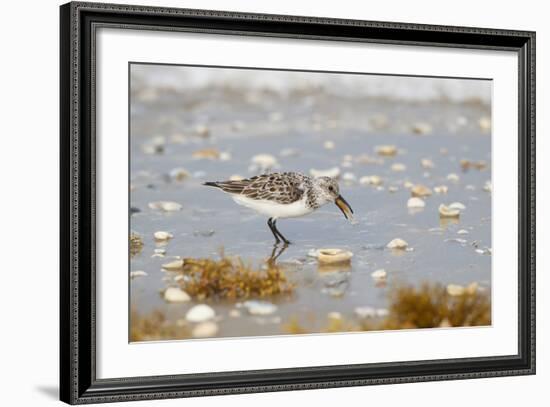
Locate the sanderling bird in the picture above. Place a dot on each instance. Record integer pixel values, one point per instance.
(284, 195)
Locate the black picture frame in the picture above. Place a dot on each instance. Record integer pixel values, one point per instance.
(78, 382)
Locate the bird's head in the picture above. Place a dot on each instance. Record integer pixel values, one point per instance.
(329, 191)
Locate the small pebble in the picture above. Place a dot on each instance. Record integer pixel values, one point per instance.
(162, 235)
(260, 307)
(485, 124)
(329, 145)
(180, 174)
(202, 130)
(200, 313)
(264, 161)
(205, 330)
(137, 273)
(441, 189)
(421, 128)
(236, 177)
(398, 244)
(488, 187)
(415, 203)
(427, 163)
(379, 275)
(175, 294)
(453, 177)
(393, 189)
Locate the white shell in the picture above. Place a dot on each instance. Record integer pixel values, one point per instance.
(386, 150)
(427, 163)
(370, 180)
(365, 312)
(175, 294)
(180, 174)
(200, 313)
(260, 307)
(166, 206)
(379, 275)
(415, 203)
(205, 330)
(331, 256)
(441, 189)
(421, 191)
(264, 161)
(173, 265)
(398, 167)
(455, 290)
(329, 145)
(137, 273)
(453, 177)
(162, 235)
(421, 128)
(397, 243)
(447, 212)
(333, 172)
(457, 205)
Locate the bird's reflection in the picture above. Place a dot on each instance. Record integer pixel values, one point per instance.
(276, 252)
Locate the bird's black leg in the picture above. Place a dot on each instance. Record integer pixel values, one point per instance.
(284, 239)
(271, 225)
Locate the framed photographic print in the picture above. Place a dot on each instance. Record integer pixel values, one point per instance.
(256, 203)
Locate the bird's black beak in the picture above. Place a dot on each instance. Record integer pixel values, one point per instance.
(344, 207)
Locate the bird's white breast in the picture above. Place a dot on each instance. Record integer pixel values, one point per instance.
(274, 209)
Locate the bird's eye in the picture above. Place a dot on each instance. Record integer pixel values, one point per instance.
(330, 188)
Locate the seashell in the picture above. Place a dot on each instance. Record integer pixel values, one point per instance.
(393, 188)
(382, 312)
(484, 123)
(200, 313)
(161, 235)
(472, 288)
(447, 212)
(332, 256)
(225, 156)
(462, 232)
(370, 180)
(206, 153)
(408, 184)
(386, 150)
(457, 205)
(202, 130)
(349, 177)
(173, 265)
(166, 206)
(175, 294)
(334, 315)
(441, 189)
(234, 313)
(453, 177)
(260, 307)
(264, 161)
(421, 128)
(379, 275)
(488, 187)
(398, 167)
(365, 312)
(333, 172)
(420, 191)
(398, 244)
(137, 273)
(179, 174)
(415, 203)
(455, 290)
(205, 330)
(427, 163)
(236, 177)
(329, 145)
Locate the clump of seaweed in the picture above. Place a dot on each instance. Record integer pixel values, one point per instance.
(432, 306)
(155, 326)
(136, 244)
(231, 278)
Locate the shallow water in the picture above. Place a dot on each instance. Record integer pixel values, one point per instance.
(264, 123)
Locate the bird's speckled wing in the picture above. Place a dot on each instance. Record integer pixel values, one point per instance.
(283, 188)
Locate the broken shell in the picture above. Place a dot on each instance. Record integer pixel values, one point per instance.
(421, 128)
(207, 153)
(370, 180)
(202, 130)
(331, 256)
(175, 294)
(398, 244)
(166, 206)
(472, 288)
(408, 184)
(386, 150)
(488, 187)
(462, 232)
(260, 307)
(457, 205)
(329, 145)
(179, 174)
(173, 265)
(427, 163)
(455, 290)
(447, 212)
(333, 172)
(200, 313)
(161, 235)
(415, 203)
(205, 330)
(398, 167)
(421, 191)
(441, 189)
(453, 177)
(379, 275)
(365, 312)
(393, 188)
(137, 273)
